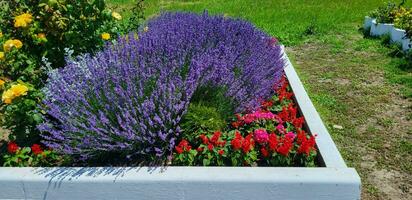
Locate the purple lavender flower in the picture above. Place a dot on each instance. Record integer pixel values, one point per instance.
(130, 97)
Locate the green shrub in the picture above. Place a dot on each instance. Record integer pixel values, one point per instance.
(35, 37)
(208, 111)
(403, 20)
(385, 14)
(200, 118)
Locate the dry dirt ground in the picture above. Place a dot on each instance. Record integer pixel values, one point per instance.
(375, 135)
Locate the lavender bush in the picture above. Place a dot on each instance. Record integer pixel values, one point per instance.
(129, 99)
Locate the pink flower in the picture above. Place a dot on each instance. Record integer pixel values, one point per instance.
(261, 136)
(280, 128)
(259, 115)
(290, 135)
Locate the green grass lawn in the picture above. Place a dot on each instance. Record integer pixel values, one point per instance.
(354, 81)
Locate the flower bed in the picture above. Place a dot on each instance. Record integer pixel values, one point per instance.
(392, 20)
(334, 180)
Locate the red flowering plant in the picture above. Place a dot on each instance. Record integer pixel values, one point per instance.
(271, 136)
(35, 155)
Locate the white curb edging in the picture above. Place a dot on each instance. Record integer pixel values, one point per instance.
(334, 181)
(378, 29)
(330, 154)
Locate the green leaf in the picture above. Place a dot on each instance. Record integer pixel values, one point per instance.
(206, 162)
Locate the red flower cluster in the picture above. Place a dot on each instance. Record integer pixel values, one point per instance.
(214, 141)
(283, 90)
(12, 147)
(281, 145)
(237, 141)
(244, 143)
(267, 104)
(306, 145)
(36, 149)
(264, 137)
(183, 147)
(285, 147)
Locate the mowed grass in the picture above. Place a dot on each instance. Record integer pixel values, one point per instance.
(353, 81)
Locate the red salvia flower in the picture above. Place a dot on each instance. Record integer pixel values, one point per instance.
(267, 104)
(199, 149)
(221, 152)
(237, 141)
(215, 138)
(284, 114)
(36, 149)
(246, 146)
(301, 136)
(273, 142)
(307, 145)
(236, 124)
(298, 122)
(264, 152)
(221, 144)
(247, 143)
(292, 112)
(179, 149)
(204, 139)
(210, 147)
(285, 147)
(12, 147)
(183, 146)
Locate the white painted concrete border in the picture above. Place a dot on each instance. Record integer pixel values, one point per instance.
(335, 181)
(326, 146)
(397, 35)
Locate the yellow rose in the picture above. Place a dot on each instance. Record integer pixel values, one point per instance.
(116, 15)
(19, 90)
(7, 97)
(18, 44)
(2, 82)
(9, 44)
(2, 56)
(23, 20)
(105, 36)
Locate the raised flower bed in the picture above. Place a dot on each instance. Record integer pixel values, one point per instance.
(131, 102)
(391, 20)
(331, 180)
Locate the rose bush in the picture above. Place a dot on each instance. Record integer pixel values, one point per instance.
(36, 36)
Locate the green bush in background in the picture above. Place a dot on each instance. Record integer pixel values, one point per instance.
(35, 37)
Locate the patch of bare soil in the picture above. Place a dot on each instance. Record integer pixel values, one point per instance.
(372, 111)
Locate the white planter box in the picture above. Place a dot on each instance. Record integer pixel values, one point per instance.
(367, 23)
(406, 44)
(397, 35)
(333, 181)
(378, 29)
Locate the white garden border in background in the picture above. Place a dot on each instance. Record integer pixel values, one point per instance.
(334, 181)
(380, 29)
